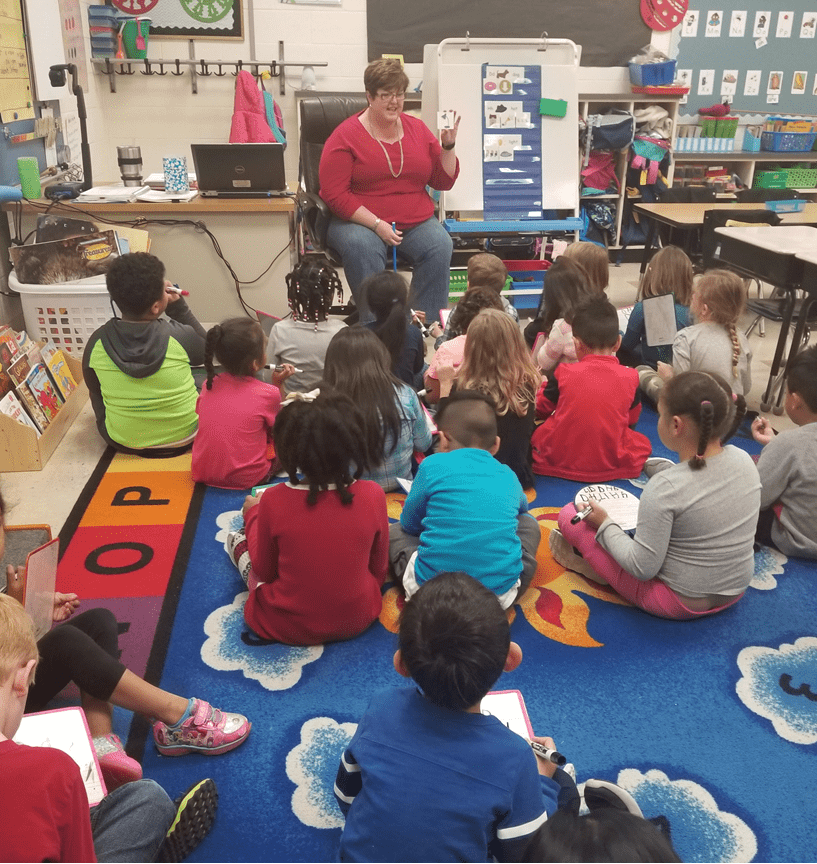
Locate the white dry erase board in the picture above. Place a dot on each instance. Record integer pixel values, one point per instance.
(41, 582)
(508, 707)
(460, 88)
(659, 319)
(621, 506)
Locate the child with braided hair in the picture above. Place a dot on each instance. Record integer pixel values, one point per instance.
(302, 339)
(236, 410)
(714, 343)
(315, 551)
(692, 553)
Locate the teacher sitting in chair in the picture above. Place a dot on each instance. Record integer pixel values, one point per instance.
(373, 172)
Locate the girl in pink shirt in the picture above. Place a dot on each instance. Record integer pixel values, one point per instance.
(236, 410)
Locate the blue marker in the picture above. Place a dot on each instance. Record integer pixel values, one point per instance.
(394, 248)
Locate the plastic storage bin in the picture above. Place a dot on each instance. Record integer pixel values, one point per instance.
(795, 205)
(67, 313)
(787, 142)
(770, 179)
(652, 74)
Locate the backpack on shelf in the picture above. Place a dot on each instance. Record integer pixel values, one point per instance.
(611, 131)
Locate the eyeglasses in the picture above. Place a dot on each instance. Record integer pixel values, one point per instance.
(387, 97)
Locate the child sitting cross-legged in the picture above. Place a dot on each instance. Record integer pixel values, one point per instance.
(466, 509)
(137, 367)
(427, 776)
(314, 551)
(692, 553)
(236, 410)
(788, 466)
(589, 407)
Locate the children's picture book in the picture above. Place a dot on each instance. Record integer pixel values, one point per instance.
(659, 319)
(32, 406)
(10, 406)
(8, 347)
(65, 260)
(66, 729)
(43, 391)
(58, 369)
(621, 505)
(6, 384)
(19, 369)
(508, 707)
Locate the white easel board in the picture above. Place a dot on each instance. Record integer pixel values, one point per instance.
(459, 87)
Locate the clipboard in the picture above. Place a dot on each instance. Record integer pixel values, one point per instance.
(621, 505)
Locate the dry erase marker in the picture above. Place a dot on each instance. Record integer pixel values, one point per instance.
(174, 289)
(394, 248)
(548, 755)
(582, 514)
(280, 369)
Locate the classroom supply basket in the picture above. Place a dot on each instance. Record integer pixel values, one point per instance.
(751, 143)
(794, 205)
(652, 74)
(787, 142)
(67, 313)
(770, 179)
(792, 177)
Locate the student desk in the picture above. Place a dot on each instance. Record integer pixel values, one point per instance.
(690, 217)
(785, 256)
(251, 232)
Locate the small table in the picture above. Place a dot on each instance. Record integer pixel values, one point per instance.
(778, 254)
(690, 217)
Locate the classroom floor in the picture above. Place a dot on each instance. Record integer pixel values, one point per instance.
(47, 496)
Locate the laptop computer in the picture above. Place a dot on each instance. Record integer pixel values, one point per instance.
(240, 170)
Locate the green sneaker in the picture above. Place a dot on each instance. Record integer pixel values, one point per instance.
(195, 814)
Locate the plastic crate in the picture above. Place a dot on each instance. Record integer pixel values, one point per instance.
(770, 180)
(66, 313)
(652, 74)
(726, 127)
(794, 205)
(787, 142)
(801, 177)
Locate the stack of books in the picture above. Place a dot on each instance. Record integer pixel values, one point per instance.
(35, 380)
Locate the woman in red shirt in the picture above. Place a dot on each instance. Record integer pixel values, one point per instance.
(374, 171)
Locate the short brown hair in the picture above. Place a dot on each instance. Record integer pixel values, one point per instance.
(18, 642)
(486, 271)
(385, 73)
(595, 323)
(595, 261)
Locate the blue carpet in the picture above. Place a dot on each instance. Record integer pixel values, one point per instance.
(697, 719)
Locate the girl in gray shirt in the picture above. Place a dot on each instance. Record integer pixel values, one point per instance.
(692, 553)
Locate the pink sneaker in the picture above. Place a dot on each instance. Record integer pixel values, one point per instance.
(117, 767)
(202, 729)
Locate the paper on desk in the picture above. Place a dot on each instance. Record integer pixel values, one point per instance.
(114, 194)
(157, 195)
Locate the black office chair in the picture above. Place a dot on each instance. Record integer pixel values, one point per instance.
(320, 115)
(760, 196)
(684, 195)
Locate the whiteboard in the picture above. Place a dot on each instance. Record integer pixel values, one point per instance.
(16, 102)
(459, 87)
(45, 47)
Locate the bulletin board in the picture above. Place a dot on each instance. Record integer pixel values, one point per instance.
(545, 154)
(15, 83)
(758, 55)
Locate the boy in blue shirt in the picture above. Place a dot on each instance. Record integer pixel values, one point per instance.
(427, 776)
(465, 510)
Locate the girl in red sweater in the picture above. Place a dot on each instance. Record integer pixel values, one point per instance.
(314, 552)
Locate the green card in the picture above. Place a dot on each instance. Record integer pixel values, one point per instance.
(553, 107)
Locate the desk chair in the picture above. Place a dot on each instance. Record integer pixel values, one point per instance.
(760, 196)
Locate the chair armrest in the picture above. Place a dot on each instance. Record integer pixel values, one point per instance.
(316, 215)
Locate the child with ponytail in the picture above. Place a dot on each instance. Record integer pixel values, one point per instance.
(236, 410)
(386, 296)
(692, 553)
(714, 343)
(315, 551)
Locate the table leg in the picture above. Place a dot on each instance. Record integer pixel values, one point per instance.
(645, 258)
(799, 331)
(766, 400)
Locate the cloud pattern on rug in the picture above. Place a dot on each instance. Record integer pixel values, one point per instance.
(768, 564)
(230, 520)
(231, 647)
(693, 815)
(780, 684)
(312, 765)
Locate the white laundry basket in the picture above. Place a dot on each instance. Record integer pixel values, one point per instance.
(67, 313)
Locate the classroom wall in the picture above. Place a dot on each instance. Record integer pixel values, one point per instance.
(163, 117)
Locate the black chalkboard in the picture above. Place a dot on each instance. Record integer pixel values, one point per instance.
(609, 31)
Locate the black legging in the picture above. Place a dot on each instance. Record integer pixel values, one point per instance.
(84, 650)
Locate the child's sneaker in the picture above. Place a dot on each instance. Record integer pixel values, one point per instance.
(195, 813)
(202, 729)
(564, 554)
(239, 552)
(116, 766)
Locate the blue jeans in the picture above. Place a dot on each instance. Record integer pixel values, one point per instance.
(427, 247)
(130, 824)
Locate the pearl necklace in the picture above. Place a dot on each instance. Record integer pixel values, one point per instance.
(386, 152)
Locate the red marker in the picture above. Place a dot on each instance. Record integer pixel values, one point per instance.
(174, 289)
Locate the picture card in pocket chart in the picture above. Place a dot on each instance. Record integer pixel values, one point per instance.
(506, 115)
(501, 80)
(501, 148)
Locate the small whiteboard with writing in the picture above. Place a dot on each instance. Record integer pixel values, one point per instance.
(621, 506)
(659, 320)
(508, 707)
